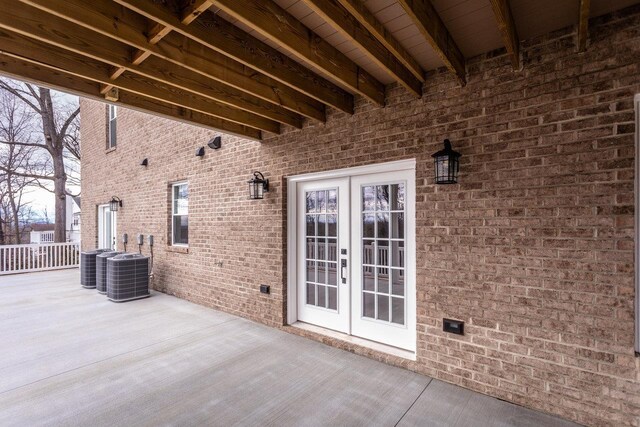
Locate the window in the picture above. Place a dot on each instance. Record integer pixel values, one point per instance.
(113, 115)
(180, 214)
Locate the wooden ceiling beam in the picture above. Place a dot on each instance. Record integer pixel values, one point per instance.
(81, 66)
(168, 63)
(221, 36)
(193, 9)
(583, 25)
(425, 17)
(504, 18)
(279, 26)
(158, 31)
(375, 27)
(18, 68)
(346, 24)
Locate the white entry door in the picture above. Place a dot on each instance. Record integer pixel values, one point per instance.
(355, 255)
(323, 246)
(106, 228)
(383, 242)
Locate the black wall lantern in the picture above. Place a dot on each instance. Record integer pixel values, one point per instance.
(200, 152)
(144, 162)
(115, 203)
(446, 164)
(257, 186)
(215, 143)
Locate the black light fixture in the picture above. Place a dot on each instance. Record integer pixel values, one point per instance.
(446, 164)
(257, 186)
(115, 203)
(200, 152)
(144, 162)
(215, 143)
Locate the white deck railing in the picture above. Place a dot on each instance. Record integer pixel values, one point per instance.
(42, 237)
(34, 257)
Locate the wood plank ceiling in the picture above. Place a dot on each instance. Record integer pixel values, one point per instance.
(246, 67)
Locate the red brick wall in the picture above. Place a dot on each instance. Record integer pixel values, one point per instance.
(533, 249)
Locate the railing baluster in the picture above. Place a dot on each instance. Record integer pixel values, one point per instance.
(38, 257)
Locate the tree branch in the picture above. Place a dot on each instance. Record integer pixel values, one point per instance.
(24, 144)
(18, 93)
(71, 118)
(25, 174)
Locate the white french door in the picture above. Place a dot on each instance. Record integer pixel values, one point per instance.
(106, 228)
(323, 234)
(355, 254)
(383, 242)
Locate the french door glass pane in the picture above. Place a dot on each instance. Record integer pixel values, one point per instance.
(322, 248)
(322, 221)
(368, 278)
(383, 256)
(332, 201)
(332, 225)
(397, 310)
(383, 280)
(368, 307)
(333, 298)
(382, 201)
(383, 307)
(397, 282)
(397, 197)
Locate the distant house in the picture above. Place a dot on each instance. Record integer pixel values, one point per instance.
(44, 233)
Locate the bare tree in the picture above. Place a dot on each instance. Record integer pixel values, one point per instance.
(50, 142)
(14, 211)
(15, 124)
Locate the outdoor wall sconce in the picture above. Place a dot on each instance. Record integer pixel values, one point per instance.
(446, 164)
(144, 162)
(257, 186)
(115, 203)
(200, 152)
(215, 143)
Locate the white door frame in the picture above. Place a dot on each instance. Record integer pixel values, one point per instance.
(636, 100)
(292, 216)
(101, 227)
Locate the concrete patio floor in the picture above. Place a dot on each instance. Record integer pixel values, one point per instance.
(71, 357)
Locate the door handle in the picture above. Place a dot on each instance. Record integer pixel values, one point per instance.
(343, 270)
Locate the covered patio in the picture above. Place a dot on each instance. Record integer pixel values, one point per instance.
(274, 159)
(71, 357)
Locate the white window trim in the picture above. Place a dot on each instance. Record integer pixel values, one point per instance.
(173, 186)
(637, 224)
(110, 120)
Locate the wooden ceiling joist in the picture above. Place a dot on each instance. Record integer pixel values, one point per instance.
(58, 79)
(158, 31)
(221, 36)
(275, 23)
(375, 27)
(173, 72)
(425, 17)
(193, 9)
(81, 66)
(583, 25)
(504, 18)
(342, 20)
